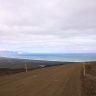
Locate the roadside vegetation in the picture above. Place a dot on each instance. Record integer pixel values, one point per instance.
(89, 82)
(91, 68)
(6, 71)
(15, 67)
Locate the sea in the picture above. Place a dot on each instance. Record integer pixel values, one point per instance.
(66, 57)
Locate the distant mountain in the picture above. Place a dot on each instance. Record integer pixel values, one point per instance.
(11, 52)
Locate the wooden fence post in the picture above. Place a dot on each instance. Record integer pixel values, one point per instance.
(84, 69)
(25, 67)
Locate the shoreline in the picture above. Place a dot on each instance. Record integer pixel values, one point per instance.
(14, 63)
(22, 59)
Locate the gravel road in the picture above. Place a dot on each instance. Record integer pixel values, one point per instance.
(61, 80)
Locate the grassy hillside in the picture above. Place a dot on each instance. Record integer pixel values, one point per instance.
(13, 65)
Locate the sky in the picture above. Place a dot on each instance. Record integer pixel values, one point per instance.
(48, 26)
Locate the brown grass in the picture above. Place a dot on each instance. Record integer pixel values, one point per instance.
(5, 71)
(89, 81)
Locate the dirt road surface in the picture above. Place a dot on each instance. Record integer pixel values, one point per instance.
(61, 80)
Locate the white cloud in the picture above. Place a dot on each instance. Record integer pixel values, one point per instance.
(51, 25)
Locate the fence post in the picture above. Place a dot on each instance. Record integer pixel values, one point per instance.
(84, 69)
(25, 67)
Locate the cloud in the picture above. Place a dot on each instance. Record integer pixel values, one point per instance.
(51, 25)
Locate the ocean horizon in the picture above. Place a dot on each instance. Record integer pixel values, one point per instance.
(67, 57)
